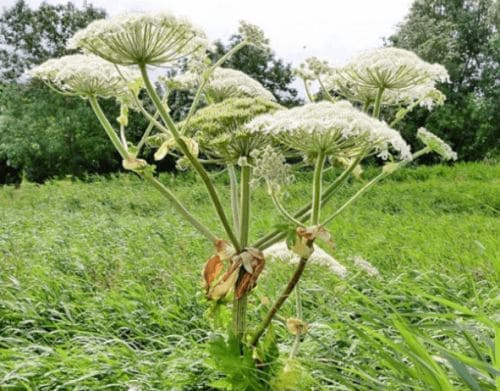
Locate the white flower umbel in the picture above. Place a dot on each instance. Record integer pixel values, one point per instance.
(85, 75)
(336, 129)
(435, 144)
(219, 127)
(141, 38)
(313, 68)
(270, 166)
(392, 68)
(253, 34)
(365, 266)
(319, 256)
(403, 77)
(224, 83)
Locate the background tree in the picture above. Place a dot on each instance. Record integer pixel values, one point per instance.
(262, 65)
(41, 133)
(29, 37)
(273, 73)
(463, 36)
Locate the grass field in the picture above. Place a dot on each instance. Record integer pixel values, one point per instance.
(100, 286)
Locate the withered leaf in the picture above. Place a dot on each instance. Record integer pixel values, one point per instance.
(211, 270)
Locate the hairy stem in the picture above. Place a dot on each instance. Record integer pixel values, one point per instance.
(308, 93)
(378, 103)
(192, 159)
(245, 205)
(240, 304)
(233, 180)
(239, 317)
(316, 196)
(149, 129)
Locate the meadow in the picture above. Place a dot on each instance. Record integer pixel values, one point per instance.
(100, 286)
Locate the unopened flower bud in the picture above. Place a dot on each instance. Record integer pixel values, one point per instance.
(134, 164)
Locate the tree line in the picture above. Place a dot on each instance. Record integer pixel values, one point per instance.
(44, 135)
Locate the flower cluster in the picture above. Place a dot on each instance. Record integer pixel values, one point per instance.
(365, 266)
(401, 75)
(313, 68)
(435, 144)
(269, 165)
(219, 128)
(336, 129)
(253, 34)
(141, 38)
(86, 75)
(224, 83)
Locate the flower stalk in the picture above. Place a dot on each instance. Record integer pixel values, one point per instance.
(378, 103)
(279, 302)
(193, 160)
(316, 195)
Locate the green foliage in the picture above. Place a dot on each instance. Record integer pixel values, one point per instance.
(47, 135)
(32, 36)
(235, 363)
(463, 36)
(107, 293)
(43, 134)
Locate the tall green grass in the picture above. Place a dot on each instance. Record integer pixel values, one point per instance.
(100, 286)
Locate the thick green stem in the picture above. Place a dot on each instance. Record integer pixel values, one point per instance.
(279, 303)
(239, 317)
(192, 159)
(240, 305)
(316, 196)
(181, 209)
(245, 205)
(233, 181)
(378, 103)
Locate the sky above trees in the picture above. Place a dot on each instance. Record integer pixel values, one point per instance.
(334, 29)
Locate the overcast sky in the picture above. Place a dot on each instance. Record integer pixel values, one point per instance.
(329, 29)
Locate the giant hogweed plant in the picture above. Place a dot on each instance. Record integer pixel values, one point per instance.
(234, 122)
